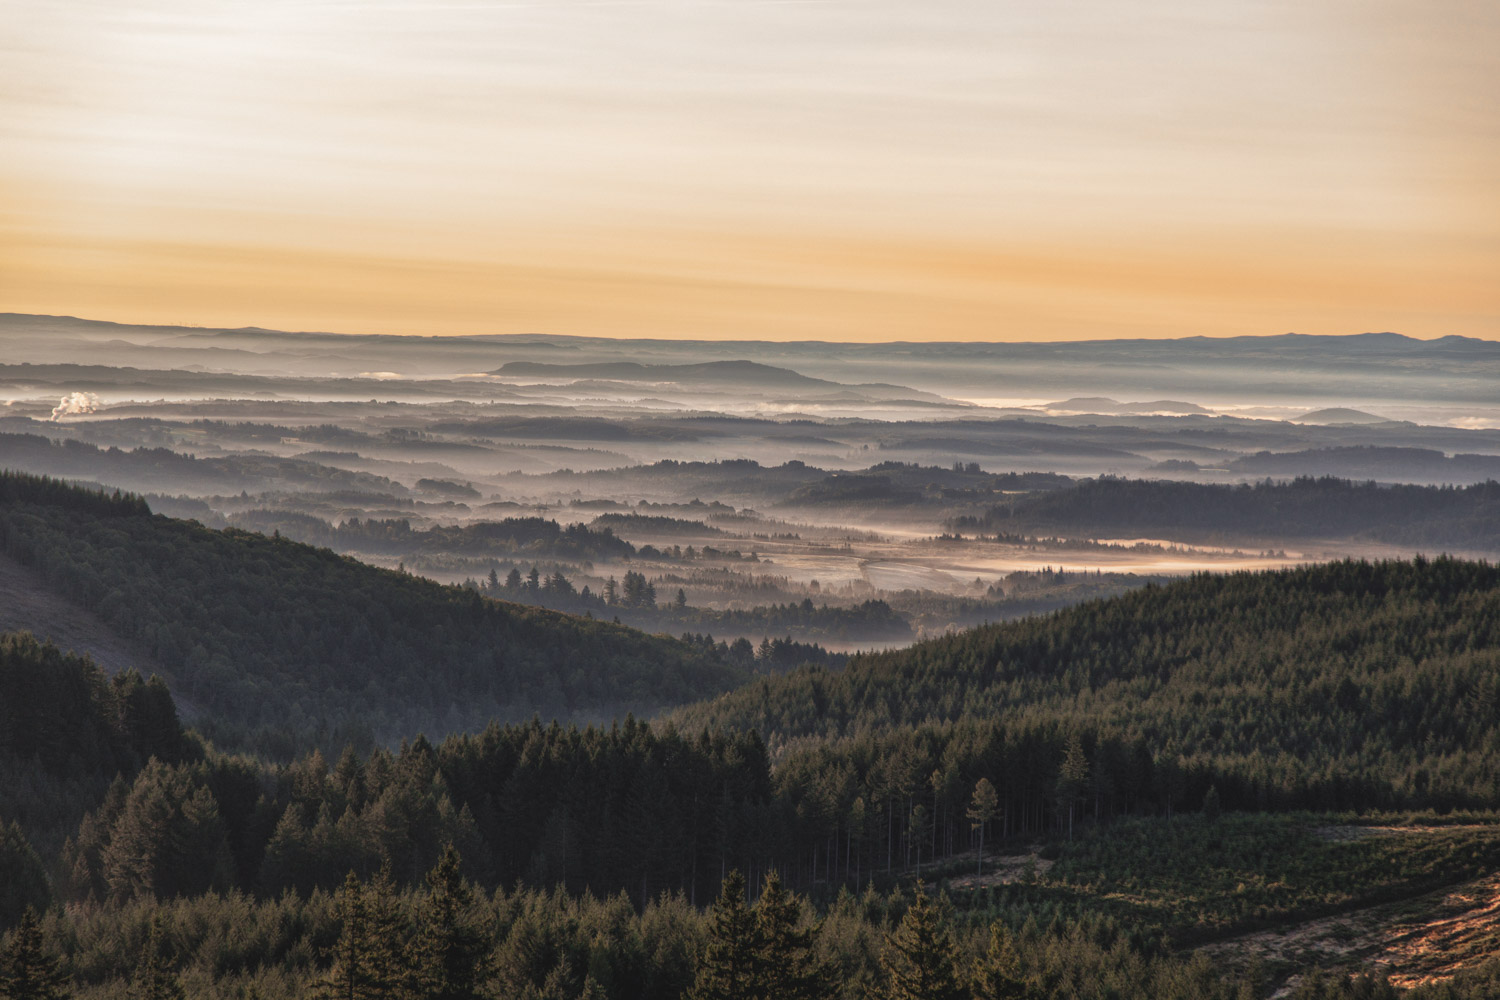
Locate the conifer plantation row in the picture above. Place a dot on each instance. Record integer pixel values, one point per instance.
(765, 843)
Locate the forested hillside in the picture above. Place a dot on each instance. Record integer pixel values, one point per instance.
(516, 537)
(1346, 685)
(282, 646)
(222, 875)
(1160, 772)
(171, 471)
(1438, 517)
(66, 732)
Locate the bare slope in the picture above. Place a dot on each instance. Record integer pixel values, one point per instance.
(27, 605)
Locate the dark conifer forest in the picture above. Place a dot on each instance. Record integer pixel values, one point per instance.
(1454, 518)
(319, 795)
(281, 645)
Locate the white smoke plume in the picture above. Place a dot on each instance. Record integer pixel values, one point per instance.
(76, 402)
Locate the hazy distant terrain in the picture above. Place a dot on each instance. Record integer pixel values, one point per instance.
(951, 483)
(1450, 380)
(827, 571)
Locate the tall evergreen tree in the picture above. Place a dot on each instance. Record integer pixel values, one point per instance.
(1211, 806)
(450, 959)
(918, 826)
(787, 968)
(27, 972)
(982, 810)
(920, 958)
(998, 975)
(390, 975)
(1073, 780)
(155, 979)
(23, 879)
(349, 977)
(730, 962)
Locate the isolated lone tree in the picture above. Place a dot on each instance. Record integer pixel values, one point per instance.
(983, 809)
(1073, 781)
(918, 826)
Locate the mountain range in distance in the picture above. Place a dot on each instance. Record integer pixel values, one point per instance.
(1447, 380)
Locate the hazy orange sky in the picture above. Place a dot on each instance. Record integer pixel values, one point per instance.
(755, 169)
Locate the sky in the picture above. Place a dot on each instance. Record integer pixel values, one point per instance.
(854, 170)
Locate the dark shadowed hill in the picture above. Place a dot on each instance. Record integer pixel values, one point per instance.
(1373, 683)
(66, 731)
(279, 643)
(1430, 517)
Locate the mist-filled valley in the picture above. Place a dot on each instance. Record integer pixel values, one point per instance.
(557, 666)
(853, 495)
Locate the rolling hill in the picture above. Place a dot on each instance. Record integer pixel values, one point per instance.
(280, 645)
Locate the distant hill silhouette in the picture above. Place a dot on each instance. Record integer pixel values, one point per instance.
(1339, 415)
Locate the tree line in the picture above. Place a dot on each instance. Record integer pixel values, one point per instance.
(635, 599)
(1441, 517)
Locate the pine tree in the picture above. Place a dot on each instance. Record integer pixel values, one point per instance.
(1073, 780)
(27, 972)
(513, 580)
(997, 976)
(727, 970)
(450, 953)
(154, 977)
(787, 968)
(917, 828)
(1211, 806)
(389, 973)
(23, 880)
(982, 810)
(349, 977)
(920, 959)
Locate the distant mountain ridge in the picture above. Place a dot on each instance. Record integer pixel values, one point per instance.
(1103, 404)
(1295, 370)
(742, 372)
(738, 373)
(1382, 338)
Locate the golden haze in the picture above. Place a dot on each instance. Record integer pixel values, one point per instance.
(877, 171)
